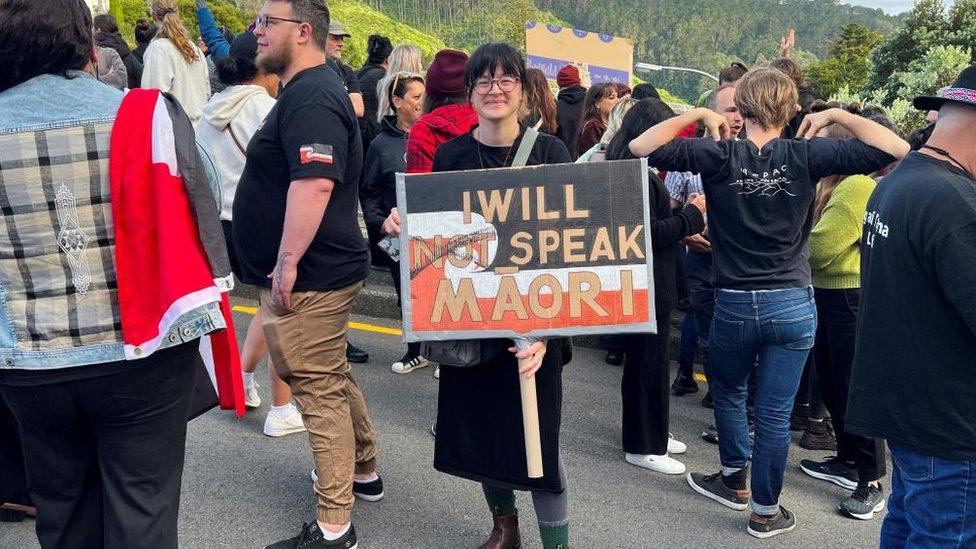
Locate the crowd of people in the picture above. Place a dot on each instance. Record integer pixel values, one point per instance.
(824, 264)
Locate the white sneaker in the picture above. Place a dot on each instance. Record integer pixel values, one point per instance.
(661, 464)
(676, 446)
(315, 477)
(289, 423)
(415, 363)
(251, 397)
(437, 372)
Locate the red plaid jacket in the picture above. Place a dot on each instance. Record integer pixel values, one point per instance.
(433, 130)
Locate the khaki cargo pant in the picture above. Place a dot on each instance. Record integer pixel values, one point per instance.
(308, 348)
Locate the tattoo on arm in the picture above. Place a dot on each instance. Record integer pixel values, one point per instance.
(280, 267)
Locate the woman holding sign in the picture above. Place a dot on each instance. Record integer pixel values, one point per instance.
(479, 419)
(645, 382)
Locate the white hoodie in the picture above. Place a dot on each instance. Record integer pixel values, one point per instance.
(237, 112)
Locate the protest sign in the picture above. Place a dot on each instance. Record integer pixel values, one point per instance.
(530, 252)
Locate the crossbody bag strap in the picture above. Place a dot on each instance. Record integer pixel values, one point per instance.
(236, 141)
(525, 147)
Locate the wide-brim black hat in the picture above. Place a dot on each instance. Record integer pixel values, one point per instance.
(963, 91)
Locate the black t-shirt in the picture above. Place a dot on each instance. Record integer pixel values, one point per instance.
(310, 133)
(465, 153)
(760, 203)
(914, 379)
(346, 74)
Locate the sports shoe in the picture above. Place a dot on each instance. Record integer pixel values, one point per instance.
(288, 423)
(730, 491)
(660, 464)
(684, 383)
(437, 372)
(763, 527)
(251, 397)
(369, 491)
(864, 502)
(832, 469)
(818, 435)
(676, 446)
(311, 538)
(408, 364)
(710, 434)
(355, 354)
(614, 358)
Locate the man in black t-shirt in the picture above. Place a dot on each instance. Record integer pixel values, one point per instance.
(914, 377)
(297, 236)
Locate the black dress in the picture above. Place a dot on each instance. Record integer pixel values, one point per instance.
(479, 409)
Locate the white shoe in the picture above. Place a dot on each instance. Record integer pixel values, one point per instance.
(291, 423)
(676, 446)
(661, 464)
(415, 363)
(437, 372)
(251, 397)
(315, 477)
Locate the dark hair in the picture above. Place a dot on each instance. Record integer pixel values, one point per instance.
(397, 86)
(234, 70)
(593, 96)
(144, 32)
(645, 90)
(378, 49)
(645, 114)
(920, 137)
(732, 73)
(622, 89)
(106, 22)
(38, 38)
(431, 103)
(789, 67)
(488, 58)
(315, 13)
(541, 103)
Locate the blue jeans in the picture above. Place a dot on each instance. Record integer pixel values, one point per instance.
(778, 327)
(932, 503)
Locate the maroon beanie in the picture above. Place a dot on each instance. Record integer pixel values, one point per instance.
(445, 76)
(568, 76)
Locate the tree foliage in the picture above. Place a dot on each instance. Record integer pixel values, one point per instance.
(848, 64)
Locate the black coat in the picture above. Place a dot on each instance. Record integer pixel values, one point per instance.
(369, 76)
(133, 67)
(386, 156)
(569, 115)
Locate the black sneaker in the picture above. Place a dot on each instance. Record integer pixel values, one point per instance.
(614, 358)
(833, 469)
(368, 491)
(819, 435)
(708, 401)
(710, 434)
(311, 538)
(355, 354)
(730, 491)
(684, 383)
(864, 502)
(764, 527)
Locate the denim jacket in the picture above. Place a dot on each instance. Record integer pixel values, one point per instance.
(58, 298)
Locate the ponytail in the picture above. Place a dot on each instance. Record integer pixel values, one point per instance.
(167, 13)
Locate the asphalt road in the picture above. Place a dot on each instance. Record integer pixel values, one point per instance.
(244, 490)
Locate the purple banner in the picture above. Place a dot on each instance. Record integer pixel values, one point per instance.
(597, 74)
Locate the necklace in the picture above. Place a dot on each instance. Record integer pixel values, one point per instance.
(481, 162)
(946, 154)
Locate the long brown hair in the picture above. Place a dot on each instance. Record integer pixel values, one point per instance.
(541, 103)
(827, 185)
(591, 113)
(167, 12)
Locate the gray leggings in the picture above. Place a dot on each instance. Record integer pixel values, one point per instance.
(551, 508)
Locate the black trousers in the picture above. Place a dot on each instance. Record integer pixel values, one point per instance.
(104, 455)
(644, 389)
(834, 360)
(13, 478)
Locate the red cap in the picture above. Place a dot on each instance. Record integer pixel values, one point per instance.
(445, 76)
(568, 76)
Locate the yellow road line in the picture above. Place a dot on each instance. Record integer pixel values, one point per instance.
(361, 326)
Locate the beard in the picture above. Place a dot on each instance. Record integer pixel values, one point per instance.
(275, 63)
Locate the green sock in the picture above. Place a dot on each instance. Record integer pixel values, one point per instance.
(554, 536)
(501, 502)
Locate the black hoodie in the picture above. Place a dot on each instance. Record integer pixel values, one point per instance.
(569, 114)
(386, 156)
(132, 64)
